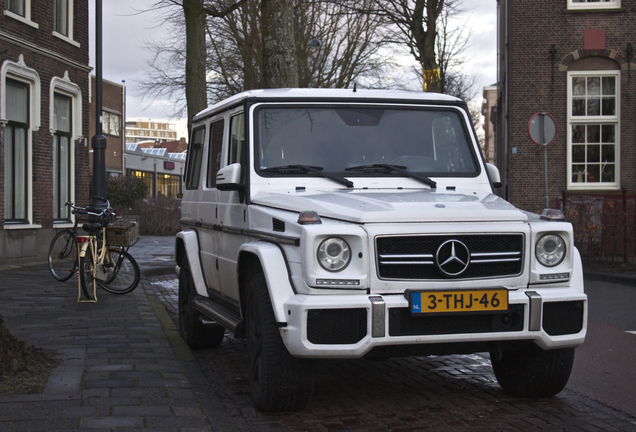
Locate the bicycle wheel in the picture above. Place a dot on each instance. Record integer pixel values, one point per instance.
(63, 255)
(86, 274)
(122, 272)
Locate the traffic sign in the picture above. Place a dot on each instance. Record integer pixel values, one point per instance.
(542, 128)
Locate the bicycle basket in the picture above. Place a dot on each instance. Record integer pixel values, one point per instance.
(124, 231)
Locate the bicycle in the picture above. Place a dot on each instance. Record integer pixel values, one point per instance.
(109, 266)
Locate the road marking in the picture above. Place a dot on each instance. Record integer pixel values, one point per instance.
(629, 331)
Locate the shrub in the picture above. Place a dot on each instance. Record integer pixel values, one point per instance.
(158, 216)
(124, 191)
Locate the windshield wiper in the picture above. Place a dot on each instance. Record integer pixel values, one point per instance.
(291, 169)
(396, 168)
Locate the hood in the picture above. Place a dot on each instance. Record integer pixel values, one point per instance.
(367, 206)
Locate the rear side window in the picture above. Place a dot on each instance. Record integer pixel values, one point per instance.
(214, 157)
(195, 154)
(237, 139)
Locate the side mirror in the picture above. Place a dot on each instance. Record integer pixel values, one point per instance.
(229, 178)
(495, 177)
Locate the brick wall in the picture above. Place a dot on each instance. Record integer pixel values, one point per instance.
(111, 100)
(51, 57)
(533, 30)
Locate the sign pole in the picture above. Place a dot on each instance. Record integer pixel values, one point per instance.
(542, 129)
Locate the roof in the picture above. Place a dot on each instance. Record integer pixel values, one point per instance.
(307, 95)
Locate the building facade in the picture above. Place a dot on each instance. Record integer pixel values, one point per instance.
(489, 111)
(161, 170)
(44, 114)
(573, 59)
(113, 120)
(145, 130)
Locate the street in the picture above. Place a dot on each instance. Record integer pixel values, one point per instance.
(604, 364)
(452, 392)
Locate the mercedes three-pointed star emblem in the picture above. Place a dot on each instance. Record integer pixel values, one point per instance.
(452, 258)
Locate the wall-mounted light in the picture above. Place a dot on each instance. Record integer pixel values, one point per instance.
(629, 54)
(553, 53)
(314, 42)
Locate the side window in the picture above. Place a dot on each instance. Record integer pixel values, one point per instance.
(214, 157)
(237, 139)
(193, 163)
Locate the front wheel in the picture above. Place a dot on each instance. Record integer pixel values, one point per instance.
(532, 371)
(63, 255)
(122, 272)
(278, 381)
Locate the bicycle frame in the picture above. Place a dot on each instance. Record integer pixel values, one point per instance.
(100, 259)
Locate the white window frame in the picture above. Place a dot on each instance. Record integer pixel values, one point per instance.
(20, 72)
(70, 36)
(612, 4)
(584, 120)
(68, 88)
(26, 19)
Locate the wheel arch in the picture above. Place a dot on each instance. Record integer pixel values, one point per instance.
(187, 246)
(268, 258)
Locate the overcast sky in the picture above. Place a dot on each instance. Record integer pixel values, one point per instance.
(124, 58)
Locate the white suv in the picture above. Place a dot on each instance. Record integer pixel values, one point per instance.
(327, 224)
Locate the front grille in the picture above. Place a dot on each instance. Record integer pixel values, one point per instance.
(402, 323)
(561, 318)
(414, 257)
(336, 326)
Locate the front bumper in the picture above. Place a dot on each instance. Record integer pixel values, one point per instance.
(350, 326)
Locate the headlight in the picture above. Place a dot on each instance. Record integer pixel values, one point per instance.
(550, 250)
(334, 254)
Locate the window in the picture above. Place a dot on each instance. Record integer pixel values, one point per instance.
(168, 185)
(593, 130)
(16, 6)
(214, 156)
(62, 138)
(193, 163)
(110, 123)
(16, 153)
(237, 139)
(148, 179)
(593, 4)
(61, 17)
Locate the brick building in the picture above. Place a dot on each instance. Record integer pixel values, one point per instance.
(574, 60)
(113, 121)
(43, 122)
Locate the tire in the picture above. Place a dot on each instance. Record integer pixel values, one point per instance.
(122, 272)
(196, 334)
(86, 274)
(278, 381)
(532, 371)
(63, 255)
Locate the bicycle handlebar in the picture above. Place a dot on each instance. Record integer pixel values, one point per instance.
(107, 212)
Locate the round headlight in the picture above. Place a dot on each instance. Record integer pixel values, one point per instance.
(334, 254)
(550, 250)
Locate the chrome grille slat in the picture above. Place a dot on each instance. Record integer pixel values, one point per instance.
(413, 257)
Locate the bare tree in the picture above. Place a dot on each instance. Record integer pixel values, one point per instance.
(349, 50)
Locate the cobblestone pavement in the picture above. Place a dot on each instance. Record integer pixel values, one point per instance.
(456, 392)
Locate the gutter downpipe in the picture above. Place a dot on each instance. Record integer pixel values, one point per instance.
(507, 97)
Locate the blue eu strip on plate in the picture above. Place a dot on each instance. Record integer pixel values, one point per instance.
(416, 303)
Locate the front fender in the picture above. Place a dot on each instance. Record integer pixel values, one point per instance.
(187, 242)
(276, 273)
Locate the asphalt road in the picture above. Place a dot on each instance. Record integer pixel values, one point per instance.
(604, 366)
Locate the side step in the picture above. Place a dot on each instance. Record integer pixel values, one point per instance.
(226, 317)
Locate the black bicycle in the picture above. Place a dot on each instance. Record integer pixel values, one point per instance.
(113, 268)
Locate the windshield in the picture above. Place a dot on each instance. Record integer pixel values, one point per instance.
(431, 142)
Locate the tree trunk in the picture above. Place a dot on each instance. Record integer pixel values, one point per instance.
(280, 69)
(196, 87)
(426, 14)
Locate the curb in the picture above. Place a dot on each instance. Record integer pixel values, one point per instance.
(203, 390)
(629, 280)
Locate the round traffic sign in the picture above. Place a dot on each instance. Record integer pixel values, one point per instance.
(542, 128)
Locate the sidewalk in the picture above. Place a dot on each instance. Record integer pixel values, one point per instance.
(124, 365)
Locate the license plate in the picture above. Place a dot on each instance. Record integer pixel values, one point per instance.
(423, 302)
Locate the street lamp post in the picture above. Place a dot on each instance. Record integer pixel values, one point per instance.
(98, 142)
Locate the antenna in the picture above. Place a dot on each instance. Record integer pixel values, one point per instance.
(354, 87)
